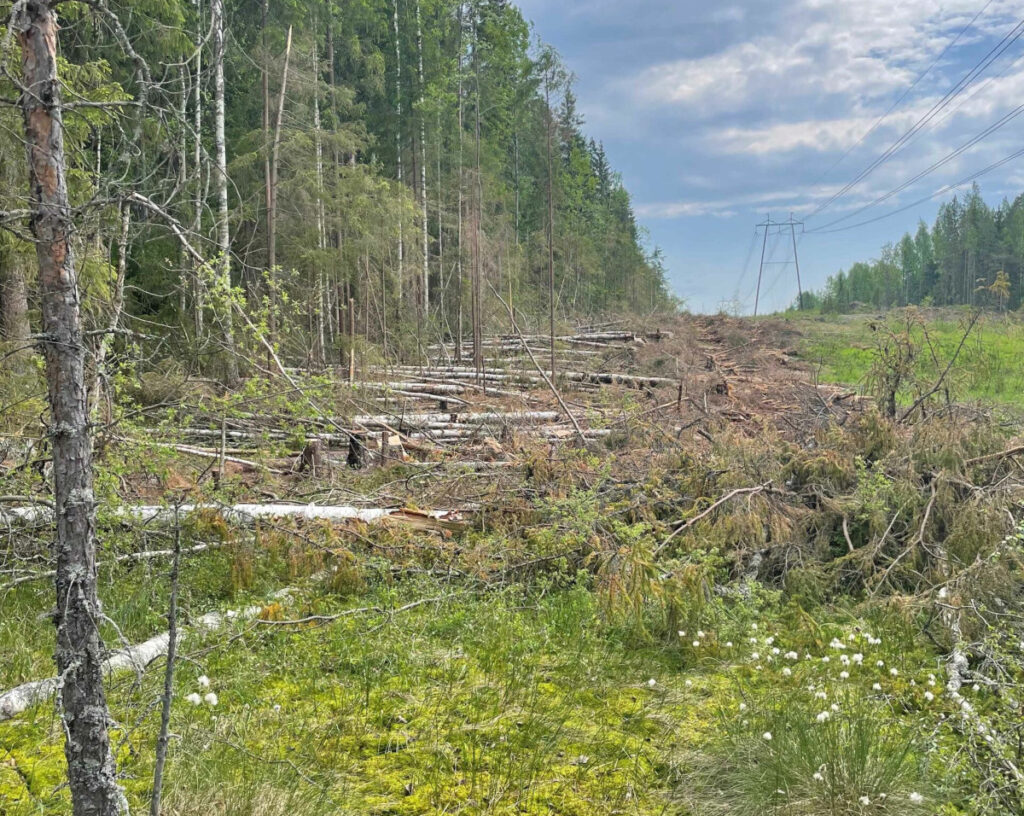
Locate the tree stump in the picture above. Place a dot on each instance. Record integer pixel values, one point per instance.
(356, 452)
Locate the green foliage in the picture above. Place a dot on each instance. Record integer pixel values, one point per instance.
(846, 349)
(973, 255)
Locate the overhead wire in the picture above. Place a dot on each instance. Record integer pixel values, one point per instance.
(947, 189)
(998, 50)
(746, 265)
(906, 93)
(994, 127)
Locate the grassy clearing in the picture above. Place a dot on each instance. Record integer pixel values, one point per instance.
(989, 368)
(508, 701)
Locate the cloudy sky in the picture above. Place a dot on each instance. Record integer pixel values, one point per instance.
(718, 113)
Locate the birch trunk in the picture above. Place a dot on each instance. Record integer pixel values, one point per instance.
(197, 159)
(321, 216)
(275, 153)
(478, 318)
(223, 283)
(398, 148)
(458, 257)
(551, 223)
(423, 171)
(268, 179)
(79, 651)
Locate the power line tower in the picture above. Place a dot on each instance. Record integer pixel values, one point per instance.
(780, 228)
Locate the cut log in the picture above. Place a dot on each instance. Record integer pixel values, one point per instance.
(134, 658)
(247, 513)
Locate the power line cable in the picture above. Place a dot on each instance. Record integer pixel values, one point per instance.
(948, 188)
(999, 124)
(977, 91)
(906, 93)
(746, 266)
(1015, 33)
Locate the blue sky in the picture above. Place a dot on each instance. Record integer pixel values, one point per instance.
(719, 113)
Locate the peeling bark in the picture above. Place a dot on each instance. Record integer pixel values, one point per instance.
(79, 652)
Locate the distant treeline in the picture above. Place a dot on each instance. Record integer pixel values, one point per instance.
(972, 255)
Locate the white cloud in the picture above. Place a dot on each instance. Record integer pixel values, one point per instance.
(814, 51)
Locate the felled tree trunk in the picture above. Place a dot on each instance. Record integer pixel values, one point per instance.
(91, 773)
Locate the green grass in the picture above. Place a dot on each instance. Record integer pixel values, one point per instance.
(989, 367)
(509, 700)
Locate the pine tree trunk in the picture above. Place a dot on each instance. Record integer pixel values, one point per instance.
(223, 227)
(79, 652)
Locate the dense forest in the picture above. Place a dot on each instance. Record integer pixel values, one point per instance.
(972, 255)
(320, 173)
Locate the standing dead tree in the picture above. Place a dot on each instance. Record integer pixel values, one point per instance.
(79, 653)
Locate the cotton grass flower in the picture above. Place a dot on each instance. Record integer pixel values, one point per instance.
(826, 659)
(929, 696)
(696, 644)
(824, 716)
(211, 699)
(818, 777)
(792, 656)
(652, 682)
(203, 681)
(728, 644)
(876, 687)
(894, 672)
(743, 706)
(844, 675)
(194, 698)
(880, 664)
(821, 695)
(916, 798)
(858, 659)
(864, 800)
(787, 671)
(767, 736)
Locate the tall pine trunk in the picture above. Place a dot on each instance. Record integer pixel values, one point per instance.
(79, 653)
